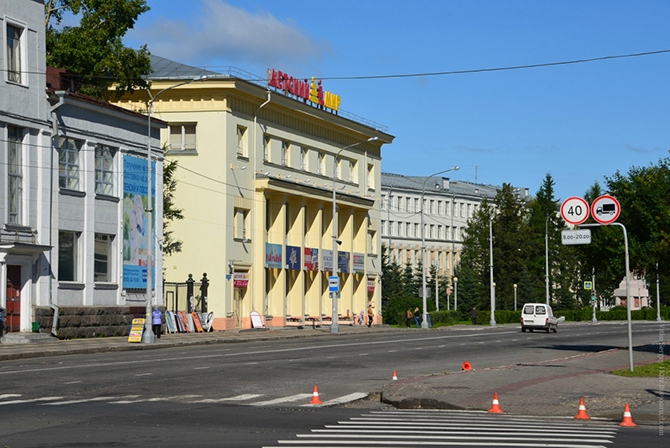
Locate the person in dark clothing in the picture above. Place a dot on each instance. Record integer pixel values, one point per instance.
(417, 316)
(473, 316)
(371, 315)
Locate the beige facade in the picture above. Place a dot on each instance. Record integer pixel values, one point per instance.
(255, 182)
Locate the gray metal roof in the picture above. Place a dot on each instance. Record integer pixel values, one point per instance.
(438, 185)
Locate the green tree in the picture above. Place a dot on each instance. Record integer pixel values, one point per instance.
(170, 211)
(468, 290)
(94, 48)
(476, 248)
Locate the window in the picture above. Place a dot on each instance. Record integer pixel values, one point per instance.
(432, 207)
(182, 137)
(15, 169)
(67, 256)
(240, 223)
(321, 162)
(432, 231)
(339, 167)
(408, 204)
(469, 210)
(383, 227)
(104, 170)
(462, 207)
(371, 178)
(68, 163)
(416, 205)
(408, 229)
(391, 228)
(416, 230)
(14, 50)
(242, 141)
(266, 148)
(102, 258)
(372, 239)
(352, 171)
(303, 159)
(285, 153)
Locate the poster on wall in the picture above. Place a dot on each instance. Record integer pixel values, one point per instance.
(273, 256)
(343, 262)
(371, 285)
(311, 259)
(240, 279)
(327, 260)
(359, 263)
(135, 222)
(293, 258)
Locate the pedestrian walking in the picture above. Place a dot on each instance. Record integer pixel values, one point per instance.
(156, 321)
(371, 315)
(417, 316)
(473, 316)
(360, 318)
(408, 317)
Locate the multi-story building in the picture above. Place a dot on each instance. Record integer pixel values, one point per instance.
(66, 238)
(447, 206)
(258, 164)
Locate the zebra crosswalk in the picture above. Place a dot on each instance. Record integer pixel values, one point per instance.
(422, 428)
(243, 399)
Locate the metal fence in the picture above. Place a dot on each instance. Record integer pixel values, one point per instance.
(175, 297)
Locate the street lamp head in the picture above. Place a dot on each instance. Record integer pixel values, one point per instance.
(373, 139)
(200, 78)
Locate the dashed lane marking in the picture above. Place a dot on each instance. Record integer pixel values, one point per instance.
(289, 399)
(2, 403)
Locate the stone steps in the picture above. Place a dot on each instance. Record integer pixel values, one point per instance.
(27, 338)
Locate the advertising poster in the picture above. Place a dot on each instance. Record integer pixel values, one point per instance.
(327, 260)
(273, 256)
(343, 259)
(311, 259)
(135, 222)
(359, 263)
(293, 258)
(371, 285)
(240, 279)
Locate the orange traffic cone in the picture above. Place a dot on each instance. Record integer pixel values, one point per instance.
(315, 397)
(627, 419)
(395, 377)
(494, 407)
(466, 366)
(582, 410)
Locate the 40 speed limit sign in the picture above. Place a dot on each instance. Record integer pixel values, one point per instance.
(574, 210)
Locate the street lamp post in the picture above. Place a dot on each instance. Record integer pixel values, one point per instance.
(455, 293)
(148, 335)
(515, 297)
(424, 322)
(492, 321)
(334, 327)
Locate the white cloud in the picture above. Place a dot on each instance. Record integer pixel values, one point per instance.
(227, 34)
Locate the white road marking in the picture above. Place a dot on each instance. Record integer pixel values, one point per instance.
(3, 396)
(144, 374)
(344, 399)
(83, 400)
(289, 399)
(242, 397)
(73, 382)
(202, 368)
(2, 403)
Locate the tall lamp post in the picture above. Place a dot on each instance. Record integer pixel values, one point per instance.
(148, 335)
(492, 321)
(455, 293)
(424, 322)
(334, 327)
(515, 297)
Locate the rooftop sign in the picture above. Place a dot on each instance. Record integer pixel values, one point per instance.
(307, 90)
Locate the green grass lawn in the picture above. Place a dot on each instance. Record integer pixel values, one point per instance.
(655, 369)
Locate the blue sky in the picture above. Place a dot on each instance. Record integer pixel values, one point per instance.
(578, 122)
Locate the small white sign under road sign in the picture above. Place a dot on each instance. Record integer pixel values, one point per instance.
(579, 236)
(574, 210)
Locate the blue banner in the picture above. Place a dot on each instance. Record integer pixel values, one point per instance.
(273, 256)
(293, 258)
(343, 262)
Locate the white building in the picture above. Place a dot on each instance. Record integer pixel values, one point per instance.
(447, 206)
(62, 210)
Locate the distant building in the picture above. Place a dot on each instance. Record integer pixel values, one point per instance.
(447, 206)
(255, 183)
(639, 293)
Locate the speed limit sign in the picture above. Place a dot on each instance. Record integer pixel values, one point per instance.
(574, 210)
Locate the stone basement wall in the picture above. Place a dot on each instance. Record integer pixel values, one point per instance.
(89, 322)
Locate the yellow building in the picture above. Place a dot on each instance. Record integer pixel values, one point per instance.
(255, 183)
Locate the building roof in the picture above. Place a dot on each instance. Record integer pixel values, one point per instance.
(439, 185)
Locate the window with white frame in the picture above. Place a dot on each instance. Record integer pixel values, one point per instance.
(416, 205)
(303, 159)
(371, 176)
(408, 229)
(68, 256)
(240, 223)
(285, 153)
(104, 169)
(372, 241)
(15, 57)
(266, 148)
(68, 162)
(462, 207)
(408, 204)
(242, 141)
(383, 227)
(416, 230)
(15, 172)
(102, 258)
(182, 137)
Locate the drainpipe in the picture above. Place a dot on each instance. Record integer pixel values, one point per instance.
(61, 94)
(253, 194)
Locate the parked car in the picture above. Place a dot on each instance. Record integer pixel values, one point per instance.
(538, 316)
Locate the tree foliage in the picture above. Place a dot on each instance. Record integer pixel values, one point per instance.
(94, 48)
(170, 212)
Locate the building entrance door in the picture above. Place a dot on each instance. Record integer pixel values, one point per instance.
(238, 296)
(13, 308)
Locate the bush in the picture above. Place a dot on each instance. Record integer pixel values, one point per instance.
(396, 308)
(445, 317)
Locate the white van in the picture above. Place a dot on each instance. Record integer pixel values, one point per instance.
(538, 316)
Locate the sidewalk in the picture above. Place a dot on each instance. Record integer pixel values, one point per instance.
(545, 388)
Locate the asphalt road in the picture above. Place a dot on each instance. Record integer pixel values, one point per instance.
(185, 396)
